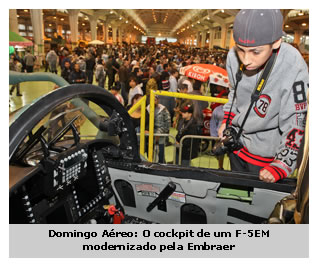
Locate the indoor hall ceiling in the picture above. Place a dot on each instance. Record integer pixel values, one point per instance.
(160, 20)
(164, 22)
(167, 22)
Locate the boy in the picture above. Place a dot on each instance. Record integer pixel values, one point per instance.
(115, 91)
(275, 126)
(188, 126)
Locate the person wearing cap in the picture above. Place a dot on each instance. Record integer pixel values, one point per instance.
(188, 126)
(275, 126)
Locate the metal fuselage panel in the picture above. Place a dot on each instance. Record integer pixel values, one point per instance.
(196, 192)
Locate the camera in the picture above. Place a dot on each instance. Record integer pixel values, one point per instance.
(228, 144)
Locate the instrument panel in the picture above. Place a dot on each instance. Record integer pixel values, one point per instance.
(67, 188)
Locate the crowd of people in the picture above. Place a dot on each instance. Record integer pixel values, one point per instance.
(132, 71)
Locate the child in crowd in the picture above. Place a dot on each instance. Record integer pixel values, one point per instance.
(134, 89)
(188, 126)
(115, 91)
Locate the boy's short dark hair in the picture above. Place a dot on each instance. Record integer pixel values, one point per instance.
(133, 78)
(116, 86)
(184, 86)
(173, 71)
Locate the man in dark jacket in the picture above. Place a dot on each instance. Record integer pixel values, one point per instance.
(29, 60)
(110, 74)
(90, 63)
(66, 71)
(77, 76)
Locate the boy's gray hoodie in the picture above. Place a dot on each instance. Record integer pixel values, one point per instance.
(274, 129)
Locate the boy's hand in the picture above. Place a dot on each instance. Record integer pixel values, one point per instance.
(266, 176)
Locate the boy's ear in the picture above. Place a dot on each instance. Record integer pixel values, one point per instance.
(276, 44)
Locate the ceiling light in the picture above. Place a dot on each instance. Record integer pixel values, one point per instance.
(287, 26)
(304, 24)
(198, 22)
(18, 16)
(159, 34)
(83, 24)
(192, 25)
(222, 10)
(120, 18)
(86, 18)
(127, 21)
(26, 10)
(50, 25)
(300, 13)
(61, 19)
(111, 12)
(54, 17)
(208, 18)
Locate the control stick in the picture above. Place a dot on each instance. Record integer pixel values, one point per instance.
(163, 196)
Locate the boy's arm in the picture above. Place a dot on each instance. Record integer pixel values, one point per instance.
(292, 118)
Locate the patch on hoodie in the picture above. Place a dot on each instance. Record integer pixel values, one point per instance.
(294, 139)
(299, 94)
(262, 105)
(288, 157)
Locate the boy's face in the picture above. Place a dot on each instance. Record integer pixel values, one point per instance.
(184, 90)
(186, 115)
(132, 84)
(255, 57)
